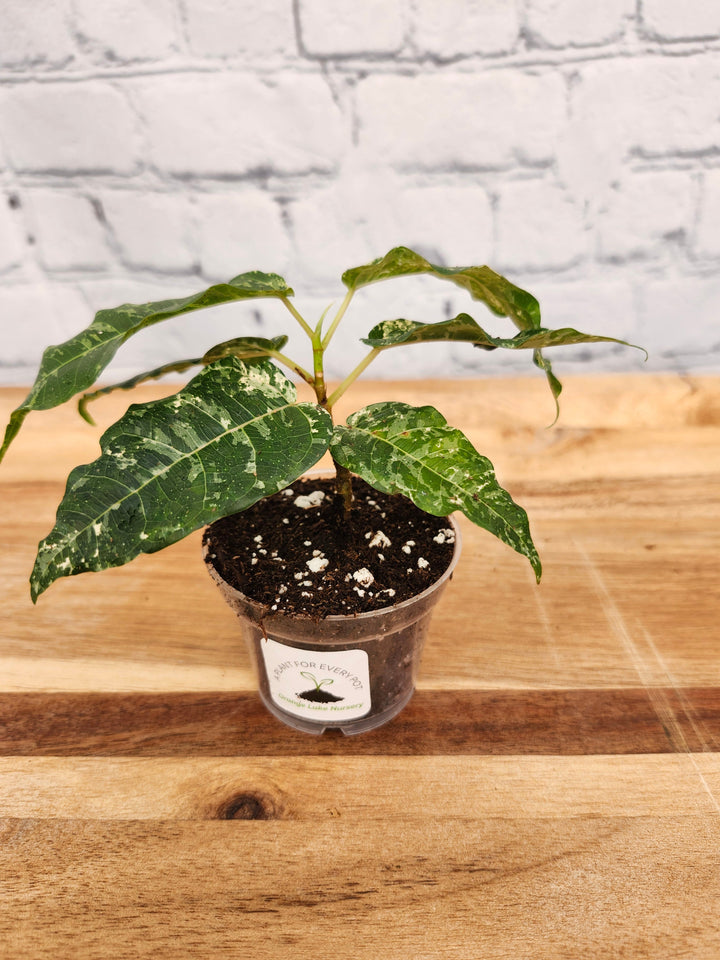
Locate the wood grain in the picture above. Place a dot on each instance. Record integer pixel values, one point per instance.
(440, 723)
(601, 887)
(552, 790)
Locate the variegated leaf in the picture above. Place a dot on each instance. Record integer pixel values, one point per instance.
(394, 333)
(233, 435)
(482, 283)
(176, 366)
(245, 348)
(409, 450)
(73, 366)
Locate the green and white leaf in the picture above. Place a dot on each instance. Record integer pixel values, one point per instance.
(495, 291)
(482, 283)
(176, 366)
(463, 328)
(397, 448)
(71, 367)
(233, 435)
(245, 348)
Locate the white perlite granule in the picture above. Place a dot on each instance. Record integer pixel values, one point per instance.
(363, 577)
(313, 499)
(445, 536)
(317, 564)
(380, 540)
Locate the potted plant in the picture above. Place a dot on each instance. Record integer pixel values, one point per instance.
(334, 578)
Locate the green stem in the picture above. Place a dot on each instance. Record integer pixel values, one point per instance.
(352, 377)
(298, 316)
(338, 317)
(319, 373)
(295, 367)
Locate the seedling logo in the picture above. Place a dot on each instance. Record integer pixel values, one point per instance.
(320, 685)
(315, 694)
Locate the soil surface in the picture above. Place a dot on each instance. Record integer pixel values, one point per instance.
(295, 552)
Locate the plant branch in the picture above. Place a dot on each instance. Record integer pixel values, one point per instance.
(352, 377)
(291, 365)
(298, 316)
(338, 317)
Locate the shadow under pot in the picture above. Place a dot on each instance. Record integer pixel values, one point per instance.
(346, 672)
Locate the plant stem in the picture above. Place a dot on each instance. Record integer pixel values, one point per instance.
(319, 378)
(300, 319)
(338, 317)
(352, 376)
(295, 367)
(343, 487)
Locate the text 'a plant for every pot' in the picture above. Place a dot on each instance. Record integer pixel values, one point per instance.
(236, 434)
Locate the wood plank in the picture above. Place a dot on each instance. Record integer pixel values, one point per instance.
(628, 495)
(450, 723)
(629, 570)
(326, 788)
(598, 887)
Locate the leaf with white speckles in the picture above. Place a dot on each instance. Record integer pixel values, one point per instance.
(73, 366)
(482, 283)
(497, 293)
(397, 448)
(233, 435)
(395, 333)
(464, 329)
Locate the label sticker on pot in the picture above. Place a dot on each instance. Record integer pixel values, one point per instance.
(318, 685)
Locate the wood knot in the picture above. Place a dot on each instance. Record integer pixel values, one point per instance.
(250, 806)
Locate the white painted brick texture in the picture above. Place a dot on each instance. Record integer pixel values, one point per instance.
(151, 147)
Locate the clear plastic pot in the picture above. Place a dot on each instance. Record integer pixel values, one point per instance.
(353, 673)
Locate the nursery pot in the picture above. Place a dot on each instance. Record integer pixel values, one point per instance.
(353, 672)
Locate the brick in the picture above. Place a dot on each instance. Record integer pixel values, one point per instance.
(225, 28)
(344, 27)
(707, 238)
(330, 235)
(41, 314)
(37, 34)
(11, 242)
(69, 127)
(678, 322)
(691, 20)
(68, 231)
(465, 27)
(539, 227)
(229, 125)
(152, 230)
(240, 231)
(460, 121)
(563, 23)
(606, 308)
(448, 225)
(642, 211)
(120, 30)
(663, 116)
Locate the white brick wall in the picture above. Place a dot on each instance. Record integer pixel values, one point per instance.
(151, 147)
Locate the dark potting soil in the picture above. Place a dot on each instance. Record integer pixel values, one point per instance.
(295, 552)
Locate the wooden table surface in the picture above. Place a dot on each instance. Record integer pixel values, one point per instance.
(552, 790)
